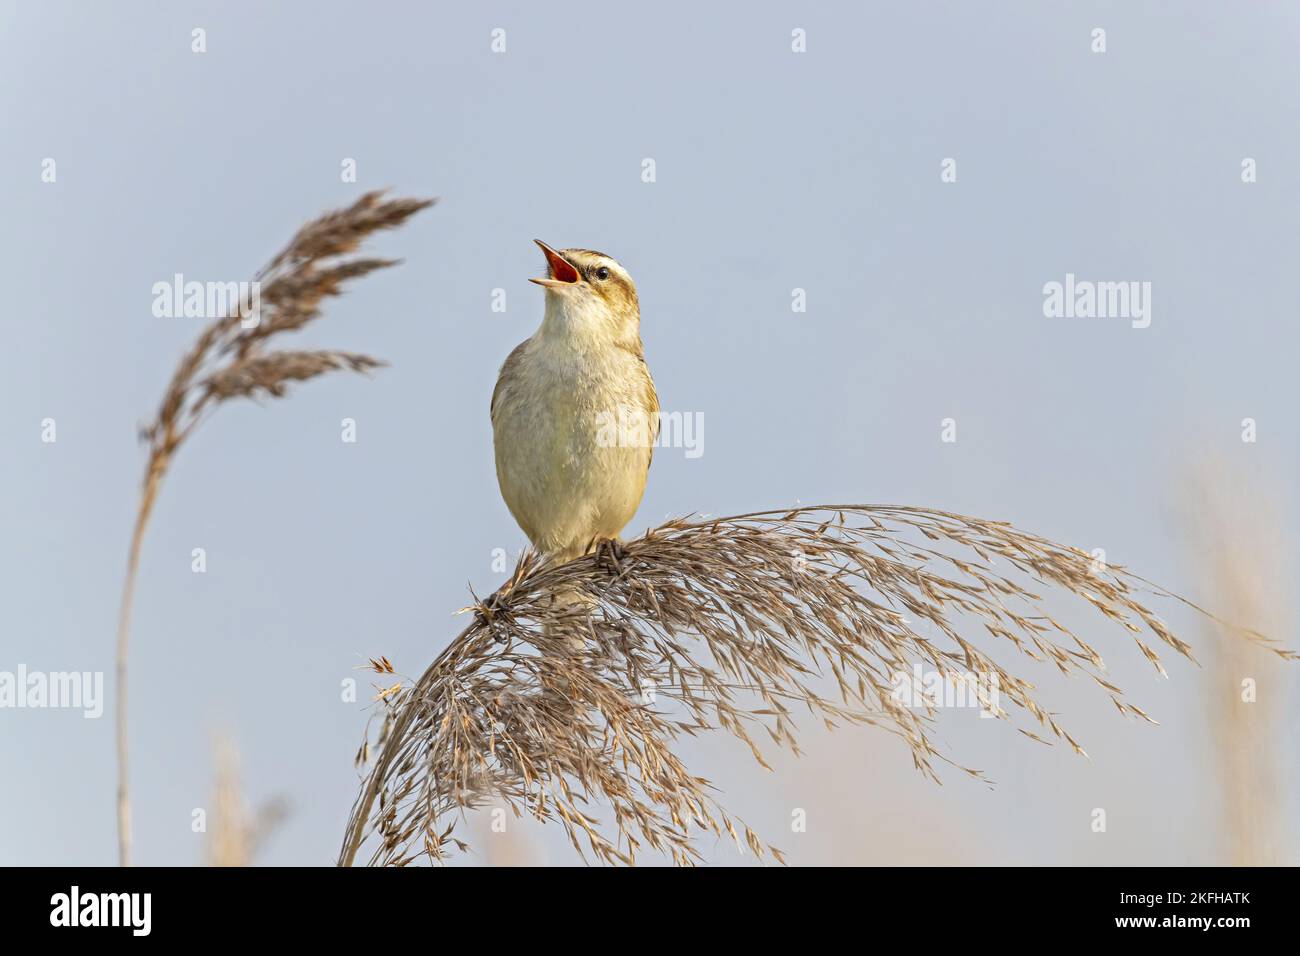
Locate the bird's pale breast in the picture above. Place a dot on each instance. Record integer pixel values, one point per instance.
(573, 434)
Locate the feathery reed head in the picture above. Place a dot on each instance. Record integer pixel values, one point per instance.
(230, 360)
(556, 707)
(236, 833)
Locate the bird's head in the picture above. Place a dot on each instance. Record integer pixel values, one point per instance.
(591, 291)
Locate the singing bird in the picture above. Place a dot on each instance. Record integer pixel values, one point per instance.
(574, 412)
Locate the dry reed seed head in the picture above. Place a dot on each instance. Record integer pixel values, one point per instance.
(342, 231)
(735, 622)
(292, 300)
(237, 833)
(1241, 557)
(297, 283)
(271, 372)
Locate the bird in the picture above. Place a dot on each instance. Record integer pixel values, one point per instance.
(575, 415)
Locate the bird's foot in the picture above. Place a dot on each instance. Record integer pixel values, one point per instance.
(611, 550)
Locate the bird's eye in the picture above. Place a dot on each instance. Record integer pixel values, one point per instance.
(602, 273)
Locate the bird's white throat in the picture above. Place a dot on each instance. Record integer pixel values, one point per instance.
(581, 320)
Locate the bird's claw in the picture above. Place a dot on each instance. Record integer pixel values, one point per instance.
(611, 549)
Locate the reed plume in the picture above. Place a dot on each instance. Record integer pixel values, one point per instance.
(1236, 524)
(231, 359)
(565, 709)
(237, 833)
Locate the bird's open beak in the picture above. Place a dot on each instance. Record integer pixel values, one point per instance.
(562, 271)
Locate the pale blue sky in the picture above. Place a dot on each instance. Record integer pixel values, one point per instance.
(775, 170)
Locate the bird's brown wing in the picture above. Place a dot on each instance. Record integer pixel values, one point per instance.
(508, 368)
(651, 400)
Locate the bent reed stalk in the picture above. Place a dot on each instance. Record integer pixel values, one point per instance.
(231, 360)
(550, 706)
